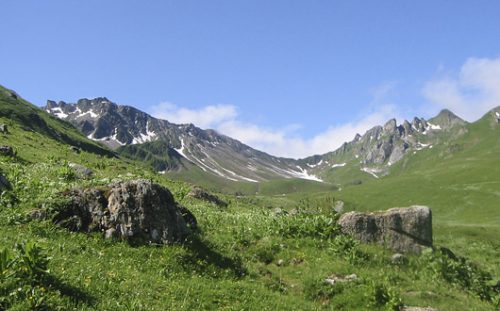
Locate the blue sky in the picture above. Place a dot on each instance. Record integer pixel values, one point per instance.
(292, 78)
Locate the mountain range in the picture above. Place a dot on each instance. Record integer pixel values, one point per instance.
(175, 148)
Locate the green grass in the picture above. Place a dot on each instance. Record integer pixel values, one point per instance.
(246, 257)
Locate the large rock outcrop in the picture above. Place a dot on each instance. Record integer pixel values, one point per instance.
(134, 210)
(400, 229)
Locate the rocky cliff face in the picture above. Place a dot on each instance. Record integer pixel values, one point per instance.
(389, 143)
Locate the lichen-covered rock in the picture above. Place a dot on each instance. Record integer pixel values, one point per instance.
(81, 171)
(138, 210)
(200, 194)
(398, 259)
(400, 229)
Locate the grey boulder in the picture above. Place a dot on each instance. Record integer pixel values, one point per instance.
(81, 171)
(136, 210)
(400, 229)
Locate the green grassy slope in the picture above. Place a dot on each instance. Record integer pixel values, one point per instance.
(273, 187)
(16, 111)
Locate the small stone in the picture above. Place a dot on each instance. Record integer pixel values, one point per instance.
(4, 129)
(280, 262)
(7, 150)
(38, 214)
(339, 206)
(81, 171)
(296, 261)
(334, 279)
(279, 212)
(399, 259)
(75, 149)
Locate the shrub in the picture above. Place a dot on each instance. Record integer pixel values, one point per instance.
(24, 278)
(347, 247)
(319, 289)
(66, 173)
(445, 265)
(306, 225)
(380, 294)
(7, 199)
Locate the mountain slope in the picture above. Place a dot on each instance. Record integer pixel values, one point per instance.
(16, 110)
(373, 154)
(170, 146)
(188, 152)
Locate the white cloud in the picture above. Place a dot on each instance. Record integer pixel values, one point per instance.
(207, 117)
(278, 142)
(282, 143)
(471, 92)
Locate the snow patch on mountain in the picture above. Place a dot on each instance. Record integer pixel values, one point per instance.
(57, 111)
(315, 165)
(372, 171)
(303, 174)
(338, 165)
(181, 149)
(143, 138)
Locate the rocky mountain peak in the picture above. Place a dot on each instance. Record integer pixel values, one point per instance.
(495, 112)
(447, 119)
(390, 127)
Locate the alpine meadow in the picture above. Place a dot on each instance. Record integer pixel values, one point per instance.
(311, 157)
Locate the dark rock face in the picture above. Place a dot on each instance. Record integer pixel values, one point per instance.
(135, 210)
(201, 194)
(4, 183)
(400, 229)
(7, 150)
